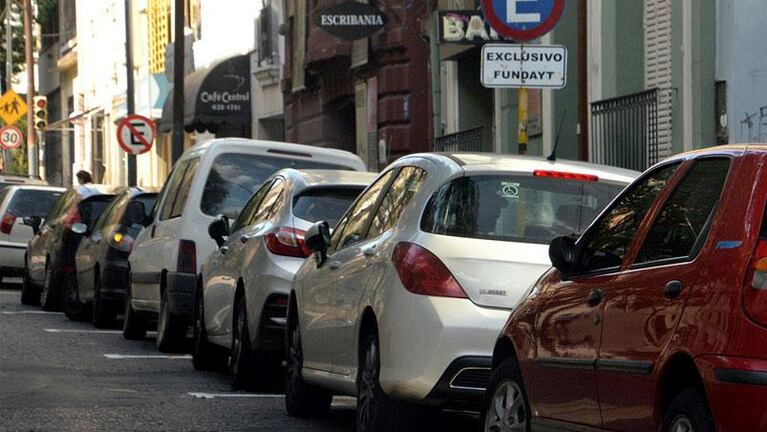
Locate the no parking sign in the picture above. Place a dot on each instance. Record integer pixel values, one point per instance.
(523, 20)
(135, 134)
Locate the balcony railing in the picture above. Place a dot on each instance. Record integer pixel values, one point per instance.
(469, 140)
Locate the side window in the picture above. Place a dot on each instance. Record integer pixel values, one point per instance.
(60, 207)
(183, 189)
(682, 225)
(250, 208)
(262, 213)
(106, 216)
(355, 222)
(402, 190)
(606, 243)
(170, 190)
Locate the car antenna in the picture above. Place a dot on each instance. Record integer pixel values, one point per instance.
(553, 156)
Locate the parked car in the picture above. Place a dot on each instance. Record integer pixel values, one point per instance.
(50, 259)
(102, 258)
(242, 297)
(7, 179)
(16, 203)
(217, 177)
(404, 301)
(655, 318)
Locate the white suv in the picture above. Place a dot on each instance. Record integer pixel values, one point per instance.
(405, 300)
(216, 177)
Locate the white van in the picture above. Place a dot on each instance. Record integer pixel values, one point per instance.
(216, 177)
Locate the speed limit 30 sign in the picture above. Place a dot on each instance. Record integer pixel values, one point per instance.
(11, 137)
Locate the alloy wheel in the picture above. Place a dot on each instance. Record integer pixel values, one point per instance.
(162, 321)
(46, 284)
(237, 343)
(681, 424)
(507, 411)
(295, 356)
(368, 382)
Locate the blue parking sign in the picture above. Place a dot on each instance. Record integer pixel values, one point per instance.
(523, 20)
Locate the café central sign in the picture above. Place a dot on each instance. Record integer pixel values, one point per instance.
(466, 27)
(351, 20)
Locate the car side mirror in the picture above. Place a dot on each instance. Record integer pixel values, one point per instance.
(79, 228)
(136, 213)
(218, 230)
(317, 239)
(34, 222)
(564, 254)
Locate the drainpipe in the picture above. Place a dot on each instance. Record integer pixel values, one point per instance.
(436, 77)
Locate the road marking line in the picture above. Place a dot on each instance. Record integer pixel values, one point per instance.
(234, 395)
(35, 312)
(50, 330)
(130, 356)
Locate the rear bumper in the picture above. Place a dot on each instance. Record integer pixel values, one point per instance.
(733, 383)
(12, 256)
(464, 382)
(114, 281)
(180, 291)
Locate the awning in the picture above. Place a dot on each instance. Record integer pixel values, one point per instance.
(213, 97)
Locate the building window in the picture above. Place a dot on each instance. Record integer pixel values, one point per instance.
(158, 14)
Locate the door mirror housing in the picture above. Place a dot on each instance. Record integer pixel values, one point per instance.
(317, 239)
(136, 213)
(34, 222)
(564, 255)
(218, 230)
(79, 228)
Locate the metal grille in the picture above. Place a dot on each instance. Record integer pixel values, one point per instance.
(469, 140)
(625, 130)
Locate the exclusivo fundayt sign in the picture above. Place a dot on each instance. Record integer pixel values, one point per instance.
(351, 20)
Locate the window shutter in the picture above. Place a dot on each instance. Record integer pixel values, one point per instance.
(657, 47)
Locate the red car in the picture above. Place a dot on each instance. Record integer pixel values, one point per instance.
(656, 317)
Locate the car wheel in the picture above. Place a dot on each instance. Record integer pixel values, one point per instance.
(171, 330)
(242, 362)
(30, 295)
(204, 354)
(506, 404)
(376, 411)
(103, 315)
(134, 323)
(302, 399)
(688, 412)
(74, 308)
(49, 301)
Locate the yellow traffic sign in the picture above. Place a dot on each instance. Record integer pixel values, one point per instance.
(12, 107)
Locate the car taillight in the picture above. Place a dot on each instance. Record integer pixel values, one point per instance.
(187, 257)
(421, 272)
(6, 224)
(755, 291)
(287, 242)
(122, 242)
(565, 175)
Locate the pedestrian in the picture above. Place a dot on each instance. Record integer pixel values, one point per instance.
(84, 177)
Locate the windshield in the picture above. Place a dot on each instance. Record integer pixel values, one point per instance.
(516, 208)
(325, 204)
(26, 203)
(234, 178)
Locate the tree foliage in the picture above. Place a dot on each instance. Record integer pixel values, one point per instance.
(17, 41)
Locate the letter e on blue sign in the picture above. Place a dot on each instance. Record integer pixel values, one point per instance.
(523, 20)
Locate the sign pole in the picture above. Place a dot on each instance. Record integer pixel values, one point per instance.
(522, 115)
(177, 145)
(131, 103)
(32, 154)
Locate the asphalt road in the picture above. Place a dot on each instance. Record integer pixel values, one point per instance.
(59, 375)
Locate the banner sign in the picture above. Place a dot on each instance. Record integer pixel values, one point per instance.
(351, 20)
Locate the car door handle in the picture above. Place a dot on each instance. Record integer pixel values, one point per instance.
(244, 238)
(334, 265)
(370, 252)
(224, 250)
(596, 297)
(673, 289)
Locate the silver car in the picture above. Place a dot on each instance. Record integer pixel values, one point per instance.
(242, 294)
(405, 300)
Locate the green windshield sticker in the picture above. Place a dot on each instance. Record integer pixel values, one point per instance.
(510, 190)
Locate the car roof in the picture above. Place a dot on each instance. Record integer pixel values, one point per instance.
(477, 163)
(90, 189)
(314, 178)
(20, 179)
(15, 188)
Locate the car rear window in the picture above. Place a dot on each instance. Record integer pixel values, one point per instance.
(325, 204)
(234, 177)
(518, 208)
(27, 203)
(91, 208)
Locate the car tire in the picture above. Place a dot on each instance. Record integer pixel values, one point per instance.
(30, 294)
(134, 323)
(506, 381)
(301, 399)
(204, 354)
(49, 298)
(242, 360)
(102, 312)
(376, 411)
(171, 329)
(74, 308)
(688, 411)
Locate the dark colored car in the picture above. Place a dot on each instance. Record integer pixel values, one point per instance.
(656, 317)
(102, 258)
(50, 259)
